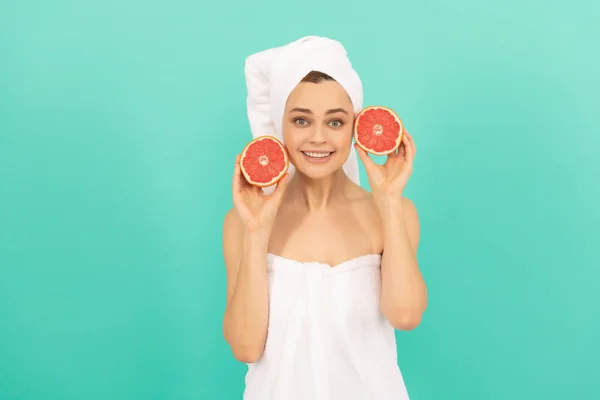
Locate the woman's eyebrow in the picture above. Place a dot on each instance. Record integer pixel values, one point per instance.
(300, 109)
(335, 110)
(308, 111)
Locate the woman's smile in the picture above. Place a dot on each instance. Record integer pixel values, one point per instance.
(318, 157)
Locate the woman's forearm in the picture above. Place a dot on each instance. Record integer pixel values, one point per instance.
(403, 293)
(246, 317)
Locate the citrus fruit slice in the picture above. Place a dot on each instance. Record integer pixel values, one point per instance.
(264, 161)
(378, 130)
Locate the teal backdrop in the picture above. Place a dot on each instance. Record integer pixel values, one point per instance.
(119, 124)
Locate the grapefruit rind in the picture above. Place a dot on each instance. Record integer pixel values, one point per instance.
(372, 151)
(276, 178)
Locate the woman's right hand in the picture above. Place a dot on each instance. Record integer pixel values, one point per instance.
(256, 209)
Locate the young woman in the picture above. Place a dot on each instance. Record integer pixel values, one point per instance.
(320, 271)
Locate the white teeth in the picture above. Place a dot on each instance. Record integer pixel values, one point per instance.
(316, 155)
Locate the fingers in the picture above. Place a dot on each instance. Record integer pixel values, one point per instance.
(393, 156)
(280, 188)
(395, 153)
(400, 152)
(237, 175)
(412, 142)
(409, 148)
(237, 192)
(364, 157)
(240, 185)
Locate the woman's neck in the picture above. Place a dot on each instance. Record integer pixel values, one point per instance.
(317, 194)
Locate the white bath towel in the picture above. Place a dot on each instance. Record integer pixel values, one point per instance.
(273, 73)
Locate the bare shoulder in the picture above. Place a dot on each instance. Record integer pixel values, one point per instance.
(365, 212)
(365, 204)
(367, 209)
(409, 208)
(410, 216)
(366, 201)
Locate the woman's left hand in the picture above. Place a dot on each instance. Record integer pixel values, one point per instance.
(390, 179)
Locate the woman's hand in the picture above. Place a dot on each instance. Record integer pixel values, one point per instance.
(390, 179)
(256, 209)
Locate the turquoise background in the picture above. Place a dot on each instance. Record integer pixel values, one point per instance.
(119, 123)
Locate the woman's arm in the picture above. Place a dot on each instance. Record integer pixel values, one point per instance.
(403, 292)
(246, 314)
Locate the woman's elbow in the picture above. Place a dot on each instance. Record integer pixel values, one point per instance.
(245, 349)
(247, 354)
(407, 324)
(404, 320)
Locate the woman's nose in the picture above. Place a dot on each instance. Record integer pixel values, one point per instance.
(318, 135)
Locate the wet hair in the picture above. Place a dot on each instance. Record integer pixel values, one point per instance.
(316, 77)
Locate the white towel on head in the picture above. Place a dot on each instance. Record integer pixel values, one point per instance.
(273, 73)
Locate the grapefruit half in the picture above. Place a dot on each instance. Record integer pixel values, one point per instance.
(264, 161)
(378, 130)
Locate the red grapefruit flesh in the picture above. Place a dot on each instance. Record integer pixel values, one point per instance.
(378, 130)
(264, 161)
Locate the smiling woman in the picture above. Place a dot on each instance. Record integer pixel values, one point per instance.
(318, 125)
(319, 271)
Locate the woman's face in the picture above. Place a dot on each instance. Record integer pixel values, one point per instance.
(317, 127)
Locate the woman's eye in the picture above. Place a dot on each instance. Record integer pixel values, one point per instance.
(300, 121)
(336, 124)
